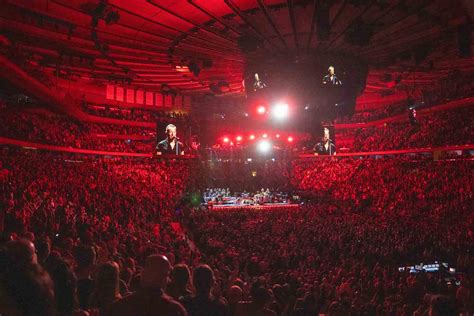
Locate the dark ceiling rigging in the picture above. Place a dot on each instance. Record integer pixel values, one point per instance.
(147, 42)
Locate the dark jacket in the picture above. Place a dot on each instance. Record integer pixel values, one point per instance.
(164, 147)
(147, 302)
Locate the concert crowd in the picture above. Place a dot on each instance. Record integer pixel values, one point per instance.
(81, 232)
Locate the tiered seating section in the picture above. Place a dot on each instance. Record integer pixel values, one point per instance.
(135, 114)
(443, 128)
(54, 129)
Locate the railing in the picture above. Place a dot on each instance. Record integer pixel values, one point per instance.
(32, 145)
(432, 150)
(124, 137)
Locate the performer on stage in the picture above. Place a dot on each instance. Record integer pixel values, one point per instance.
(171, 145)
(331, 78)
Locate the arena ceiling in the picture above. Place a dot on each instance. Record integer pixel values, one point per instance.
(202, 46)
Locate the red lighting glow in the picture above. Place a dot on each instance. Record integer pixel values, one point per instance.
(290, 139)
(277, 135)
(226, 139)
(265, 135)
(252, 137)
(261, 109)
(238, 138)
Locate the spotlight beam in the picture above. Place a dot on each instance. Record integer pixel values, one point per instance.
(280, 111)
(264, 146)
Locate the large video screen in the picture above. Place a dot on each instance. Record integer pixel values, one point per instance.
(175, 140)
(326, 143)
(171, 143)
(328, 83)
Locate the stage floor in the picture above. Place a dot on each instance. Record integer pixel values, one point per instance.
(265, 206)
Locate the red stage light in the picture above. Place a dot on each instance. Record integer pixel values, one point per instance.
(265, 135)
(261, 109)
(226, 139)
(252, 137)
(239, 138)
(290, 139)
(180, 68)
(277, 135)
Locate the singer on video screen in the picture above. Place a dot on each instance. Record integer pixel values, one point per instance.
(331, 78)
(171, 145)
(326, 146)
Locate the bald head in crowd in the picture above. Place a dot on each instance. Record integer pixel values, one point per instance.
(235, 294)
(22, 251)
(156, 271)
(151, 298)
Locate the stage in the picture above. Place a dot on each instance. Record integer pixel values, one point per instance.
(263, 207)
